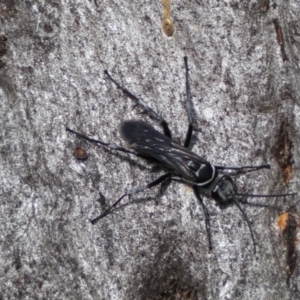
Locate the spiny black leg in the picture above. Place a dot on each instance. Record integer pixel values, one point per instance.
(188, 105)
(131, 192)
(140, 102)
(206, 216)
(110, 146)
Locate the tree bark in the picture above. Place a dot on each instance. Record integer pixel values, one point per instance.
(244, 77)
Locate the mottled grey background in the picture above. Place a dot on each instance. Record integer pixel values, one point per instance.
(243, 83)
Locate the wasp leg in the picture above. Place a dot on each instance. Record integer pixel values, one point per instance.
(110, 146)
(206, 215)
(147, 108)
(188, 106)
(131, 192)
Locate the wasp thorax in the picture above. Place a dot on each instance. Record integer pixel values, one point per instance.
(194, 166)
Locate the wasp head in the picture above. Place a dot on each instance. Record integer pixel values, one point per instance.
(224, 190)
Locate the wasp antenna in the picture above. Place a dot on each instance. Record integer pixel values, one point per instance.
(247, 221)
(266, 196)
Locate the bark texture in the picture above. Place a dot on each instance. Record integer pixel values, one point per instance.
(245, 82)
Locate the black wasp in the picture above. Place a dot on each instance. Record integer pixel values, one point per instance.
(181, 164)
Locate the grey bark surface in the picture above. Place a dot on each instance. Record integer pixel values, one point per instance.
(245, 80)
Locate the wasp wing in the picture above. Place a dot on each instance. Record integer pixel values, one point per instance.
(147, 141)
